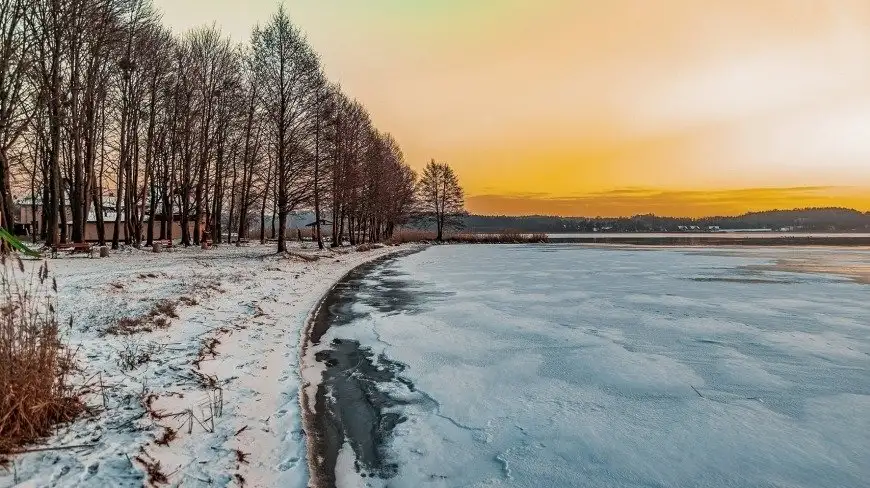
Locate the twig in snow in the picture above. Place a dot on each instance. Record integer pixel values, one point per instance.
(241, 457)
(58, 448)
(103, 392)
(698, 392)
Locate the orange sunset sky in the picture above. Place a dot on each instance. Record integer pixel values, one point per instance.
(574, 107)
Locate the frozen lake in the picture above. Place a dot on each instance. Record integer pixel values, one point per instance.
(561, 366)
(725, 234)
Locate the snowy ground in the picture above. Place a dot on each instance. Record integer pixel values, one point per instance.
(557, 366)
(223, 375)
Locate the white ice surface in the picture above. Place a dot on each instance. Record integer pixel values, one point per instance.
(558, 366)
(251, 300)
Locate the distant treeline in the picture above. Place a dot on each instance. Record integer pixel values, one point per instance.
(805, 219)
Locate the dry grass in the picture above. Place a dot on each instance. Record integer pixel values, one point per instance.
(157, 318)
(165, 307)
(207, 349)
(155, 473)
(404, 236)
(307, 233)
(368, 246)
(505, 237)
(302, 257)
(35, 364)
(135, 354)
(169, 435)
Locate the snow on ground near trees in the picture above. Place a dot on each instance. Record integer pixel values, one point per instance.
(567, 366)
(236, 415)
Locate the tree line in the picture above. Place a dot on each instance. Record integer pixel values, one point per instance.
(831, 219)
(108, 117)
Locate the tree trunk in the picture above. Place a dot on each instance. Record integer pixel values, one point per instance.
(282, 228)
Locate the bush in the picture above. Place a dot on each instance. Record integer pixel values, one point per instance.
(35, 364)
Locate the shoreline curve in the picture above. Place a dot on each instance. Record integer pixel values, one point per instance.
(310, 373)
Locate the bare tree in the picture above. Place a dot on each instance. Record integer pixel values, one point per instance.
(440, 195)
(16, 41)
(103, 109)
(286, 69)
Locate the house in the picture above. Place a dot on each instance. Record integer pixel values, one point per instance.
(29, 218)
(28, 214)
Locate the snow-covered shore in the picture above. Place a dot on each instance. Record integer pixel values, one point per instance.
(215, 398)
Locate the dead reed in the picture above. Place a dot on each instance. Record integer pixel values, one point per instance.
(404, 236)
(504, 237)
(35, 363)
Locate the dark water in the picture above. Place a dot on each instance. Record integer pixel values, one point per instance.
(351, 403)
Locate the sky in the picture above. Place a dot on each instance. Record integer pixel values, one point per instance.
(588, 108)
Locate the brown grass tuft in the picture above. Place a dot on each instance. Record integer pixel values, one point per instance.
(155, 473)
(207, 348)
(129, 326)
(169, 435)
(165, 307)
(35, 364)
(135, 354)
(156, 318)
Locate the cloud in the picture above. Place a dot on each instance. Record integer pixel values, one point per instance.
(681, 203)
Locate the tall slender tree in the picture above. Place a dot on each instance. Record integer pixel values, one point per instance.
(287, 70)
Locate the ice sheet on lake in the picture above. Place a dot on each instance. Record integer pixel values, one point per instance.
(573, 366)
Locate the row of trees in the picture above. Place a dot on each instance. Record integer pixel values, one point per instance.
(106, 113)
